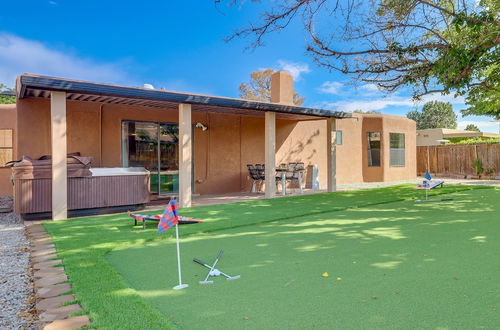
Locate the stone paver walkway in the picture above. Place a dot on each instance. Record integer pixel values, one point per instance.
(53, 303)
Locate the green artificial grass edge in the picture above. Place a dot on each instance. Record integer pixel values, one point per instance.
(83, 243)
(433, 254)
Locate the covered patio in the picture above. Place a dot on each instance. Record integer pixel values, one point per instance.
(63, 92)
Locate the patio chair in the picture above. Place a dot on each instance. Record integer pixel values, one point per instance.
(255, 175)
(279, 177)
(294, 173)
(298, 174)
(261, 169)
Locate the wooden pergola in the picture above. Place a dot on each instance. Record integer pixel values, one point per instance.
(60, 90)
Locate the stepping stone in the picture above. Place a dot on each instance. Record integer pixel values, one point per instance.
(41, 246)
(49, 271)
(71, 323)
(38, 236)
(41, 240)
(50, 280)
(32, 229)
(43, 252)
(43, 258)
(46, 264)
(54, 302)
(59, 313)
(53, 290)
(39, 233)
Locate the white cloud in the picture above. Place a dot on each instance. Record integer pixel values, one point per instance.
(368, 105)
(370, 87)
(19, 55)
(330, 87)
(443, 98)
(296, 69)
(378, 104)
(485, 126)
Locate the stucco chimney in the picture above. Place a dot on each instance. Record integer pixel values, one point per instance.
(282, 88)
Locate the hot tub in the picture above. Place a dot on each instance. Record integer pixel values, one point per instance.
(104, 188)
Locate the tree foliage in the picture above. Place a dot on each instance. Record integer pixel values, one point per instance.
(447, 46)
(6, 99)
(259, 88)
(472, 127)
(434, 114)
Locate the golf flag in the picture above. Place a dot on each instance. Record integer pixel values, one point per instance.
(428, 176)
(169, 218)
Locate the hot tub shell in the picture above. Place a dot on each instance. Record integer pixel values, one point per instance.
(105, 188)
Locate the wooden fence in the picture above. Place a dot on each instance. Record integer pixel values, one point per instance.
(458, 160)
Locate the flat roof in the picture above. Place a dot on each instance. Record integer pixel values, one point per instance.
(29, 85)
(457, 133)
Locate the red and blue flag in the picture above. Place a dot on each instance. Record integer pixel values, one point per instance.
(169, 218)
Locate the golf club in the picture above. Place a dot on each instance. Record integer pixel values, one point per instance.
(216, 272)
(211, 269)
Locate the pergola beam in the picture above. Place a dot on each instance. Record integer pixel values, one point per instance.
(331, 157)
(59, 154)
(270, 153)
(185, 155)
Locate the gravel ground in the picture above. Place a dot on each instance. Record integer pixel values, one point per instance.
(16, 282)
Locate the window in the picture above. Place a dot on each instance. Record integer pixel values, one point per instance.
(5, 146)
(397, 149)
(373, 148)
(339, 138)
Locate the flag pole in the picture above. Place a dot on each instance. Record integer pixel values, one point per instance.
(180, 286)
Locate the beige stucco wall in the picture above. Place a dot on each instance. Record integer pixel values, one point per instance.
(396, 124)
(231, 141)
(7, 121)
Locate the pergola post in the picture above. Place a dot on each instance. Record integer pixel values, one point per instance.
(59, 154)
(270, 156)
(331, 157)
(185, 155)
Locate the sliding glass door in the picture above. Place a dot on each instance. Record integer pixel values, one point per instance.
(155, 147)
(168, 158)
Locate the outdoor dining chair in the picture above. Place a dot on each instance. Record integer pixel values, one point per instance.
(294, 174)
(255, 175)
(298, 174)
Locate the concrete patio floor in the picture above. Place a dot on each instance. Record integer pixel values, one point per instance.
(200, 200)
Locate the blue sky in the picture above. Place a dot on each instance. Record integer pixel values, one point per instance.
(177, 45)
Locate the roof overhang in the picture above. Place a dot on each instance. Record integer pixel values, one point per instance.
(471, 134)
(29, 85)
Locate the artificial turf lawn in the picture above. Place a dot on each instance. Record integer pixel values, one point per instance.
(421, 249)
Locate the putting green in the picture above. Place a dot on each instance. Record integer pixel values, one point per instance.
(395, 265)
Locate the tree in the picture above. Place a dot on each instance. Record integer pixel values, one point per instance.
(259, 88)
(435, 114)
(472, 127)
(6, 99)
(447, 46)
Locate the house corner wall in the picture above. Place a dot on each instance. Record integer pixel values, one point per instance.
(8, 121)
(395, 124)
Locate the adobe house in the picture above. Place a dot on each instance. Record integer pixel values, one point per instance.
(198, 144)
